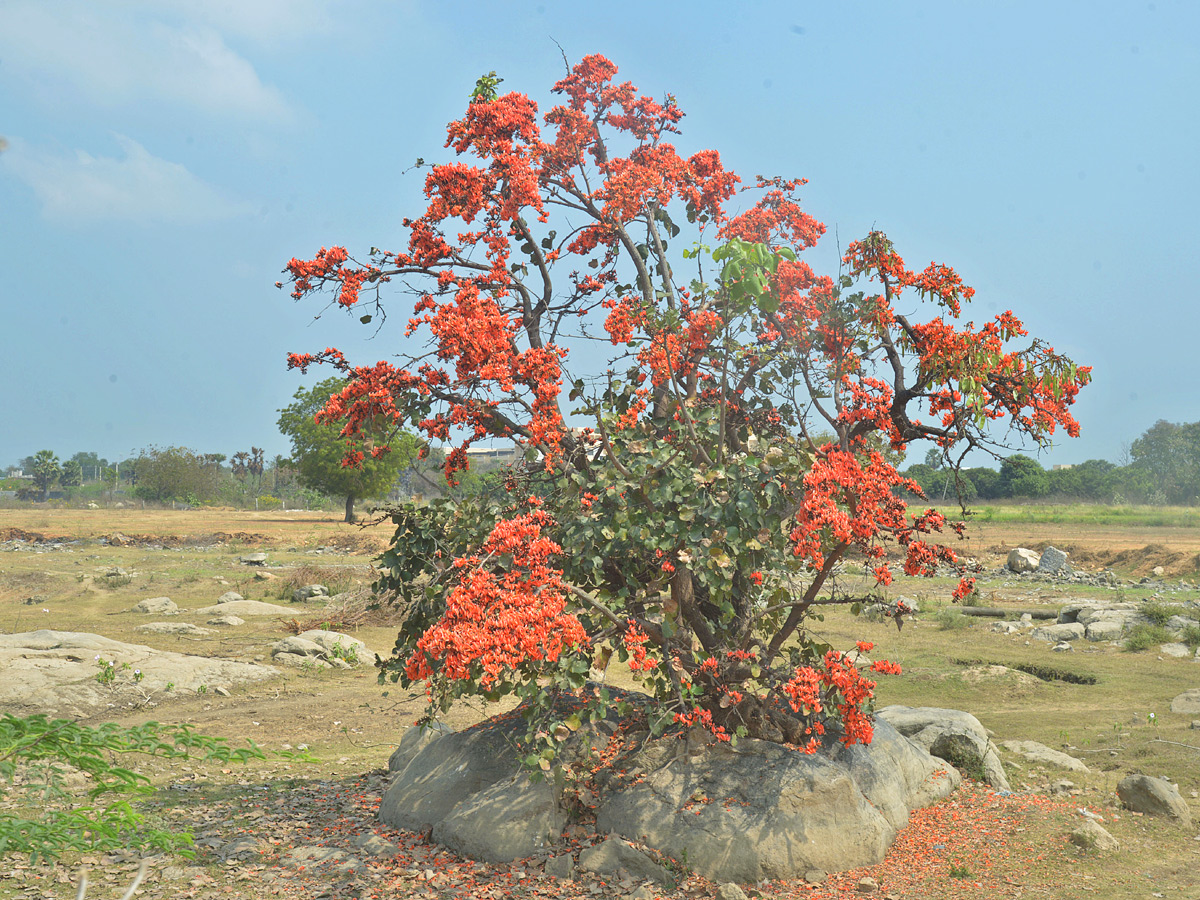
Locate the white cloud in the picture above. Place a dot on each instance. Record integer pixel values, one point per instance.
(139, 187)
(125, 55)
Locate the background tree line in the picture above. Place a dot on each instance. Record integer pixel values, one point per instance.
(1162, 467)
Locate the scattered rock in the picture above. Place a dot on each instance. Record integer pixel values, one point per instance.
(866, 885)
(309, 592)
(1153, 796)
(300, 661)
(1053, 562)
(1066, 631)
(340, 646)
(952, 735)
(614, 854)
(730, 891)
(229, 597)
(315, 855)
(225, 620)
(245, 608)
(1040, 753)
(245, 847)
(1158, 571)
(561, 867)
(254, 559)
(375, 845)
(1175, 650)
(815, 876)
(1187, 703)
(1092, 836)
(164, 606)
(1022, 560)
(171, 628)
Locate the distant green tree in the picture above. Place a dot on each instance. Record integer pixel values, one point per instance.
(174, 473)
(1023, 476)
(318, 449)
(72, 474)
(986, 482)
(45, 471)
(1166, 459)
(91, 464)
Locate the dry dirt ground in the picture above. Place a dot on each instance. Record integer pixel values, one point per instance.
(979, 844)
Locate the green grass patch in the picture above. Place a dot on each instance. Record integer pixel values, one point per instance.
(1143, 637)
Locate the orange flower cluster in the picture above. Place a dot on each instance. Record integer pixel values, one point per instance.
(497, 619)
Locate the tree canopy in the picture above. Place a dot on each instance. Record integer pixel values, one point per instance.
(731, 452)
(319, 448)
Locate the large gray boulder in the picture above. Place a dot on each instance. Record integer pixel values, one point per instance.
(763, 811)
(1053, 562)
(245, 608)
(1022, 560)
(1153, 796)
(443, 773)
(511, 819)
(952, 735)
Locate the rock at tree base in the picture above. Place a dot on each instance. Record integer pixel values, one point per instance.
(952, 735)
(743, 814)
(1153, 796)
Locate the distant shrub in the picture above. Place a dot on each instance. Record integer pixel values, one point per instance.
(1158, 613)
(1143, 637)
(951, 619)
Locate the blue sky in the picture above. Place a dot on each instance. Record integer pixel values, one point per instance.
(165, 159)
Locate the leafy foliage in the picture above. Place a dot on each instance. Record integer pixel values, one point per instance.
(37, 753)
(740, 442)
(319, 447)
(45, 470)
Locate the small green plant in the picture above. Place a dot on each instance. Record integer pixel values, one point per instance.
(203, 689)
(1158, 613)
(43, 751)
(346, 653)
(1143, 637)
(1191, 637)
(108, 671)
(959, 871)
(951, 619)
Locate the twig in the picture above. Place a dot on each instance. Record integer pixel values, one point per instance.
(1175, 743)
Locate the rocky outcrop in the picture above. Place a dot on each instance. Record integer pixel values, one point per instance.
(952, 735)
(54, 672)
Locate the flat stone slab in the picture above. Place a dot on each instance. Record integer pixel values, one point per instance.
(1040, 753)
(1187, 703)
(244, 608)
(54, 672)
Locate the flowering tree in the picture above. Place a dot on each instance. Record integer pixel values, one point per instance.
(731, 451)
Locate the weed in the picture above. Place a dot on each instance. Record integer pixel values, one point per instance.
(1191, 637)
(951, 619)
(1143, 637)
(203, 689)
(959, 871)
(1157, 613)
(346, 653)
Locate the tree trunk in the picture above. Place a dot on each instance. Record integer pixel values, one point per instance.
(350, 508)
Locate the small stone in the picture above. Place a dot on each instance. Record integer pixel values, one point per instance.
(730, 891)
(1092, 836)
(644, 893)
(561, 867)
(866, 885)
(229, 597)
(815, 876)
